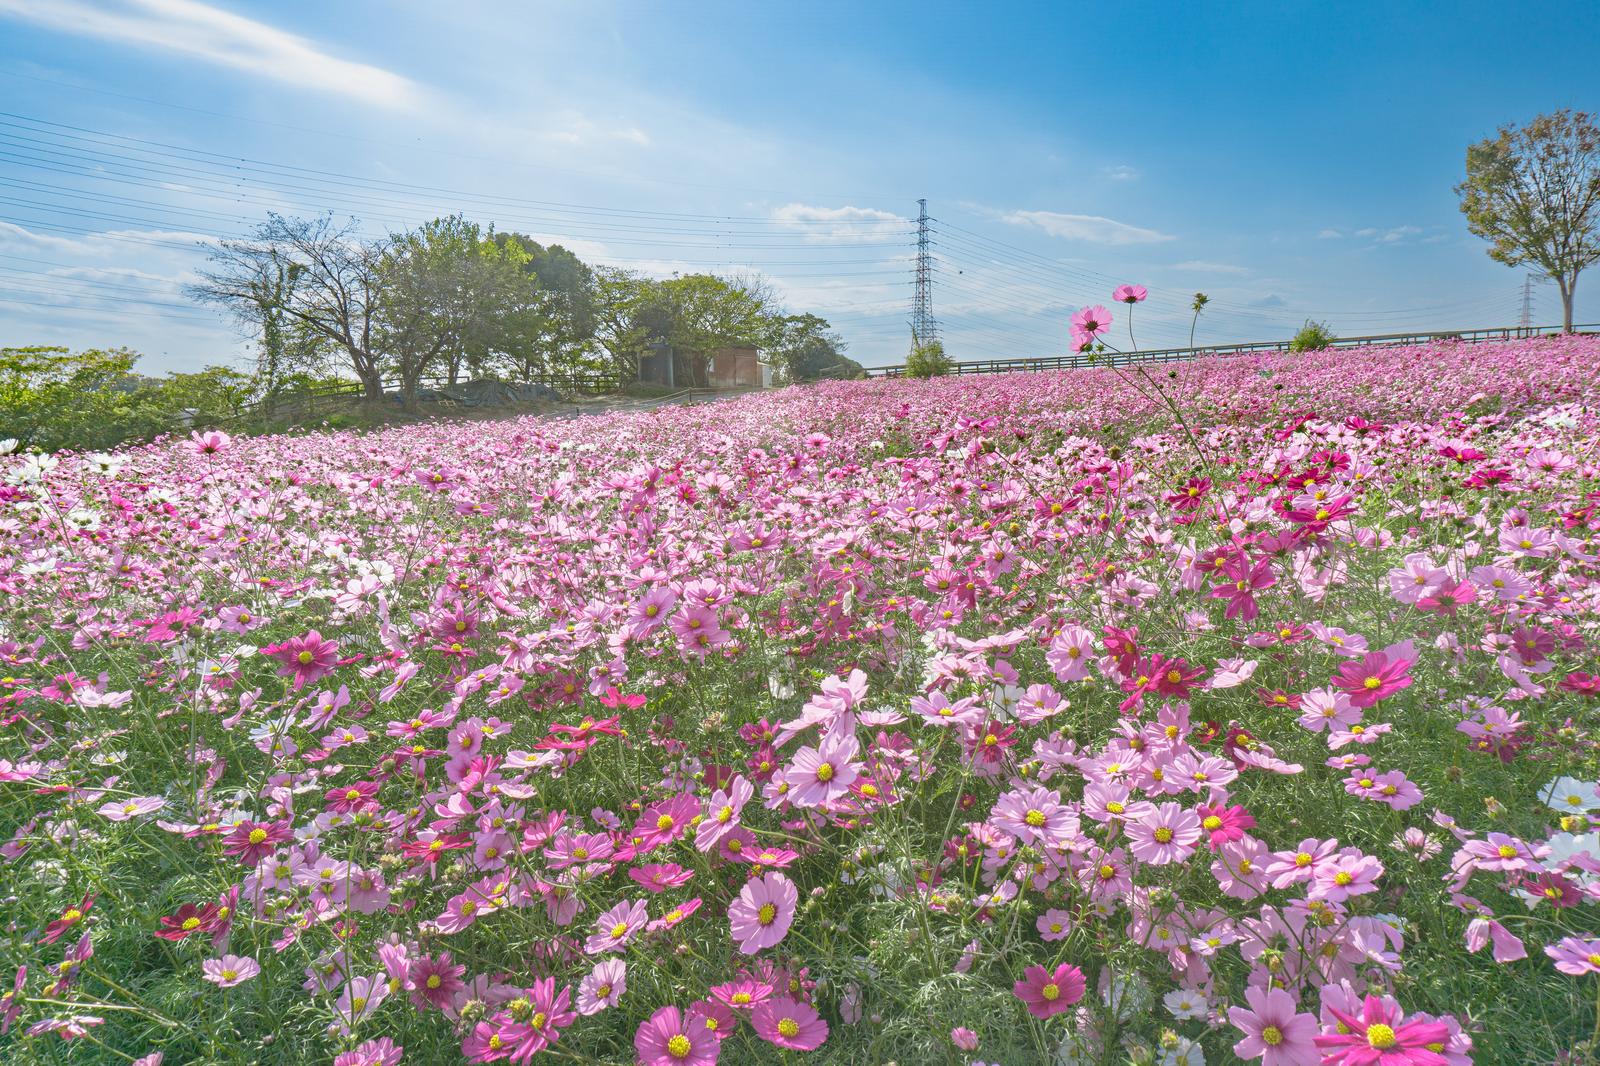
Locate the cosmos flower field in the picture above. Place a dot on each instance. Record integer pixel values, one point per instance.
(1237, 710)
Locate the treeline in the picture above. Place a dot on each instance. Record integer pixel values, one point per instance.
(452, 300)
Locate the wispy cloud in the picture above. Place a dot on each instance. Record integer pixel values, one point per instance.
(1092, 228)
(1393, 235)
(217, 36)
(1121, 172)
(1329, 234)
(1205, 266)
(839, 223)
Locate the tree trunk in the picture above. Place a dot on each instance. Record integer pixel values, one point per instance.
(1567, 289)
(372, 384)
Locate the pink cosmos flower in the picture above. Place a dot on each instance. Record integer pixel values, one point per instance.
(210, 442)
(122, 810)
(617, 927)
(1381, 1037)
(742, 994)
(1035, 816)
(1373, 677)
(1049, 992)
(1129, 294)
(1053, 924)
(603, 986)
(1574, 956)
(761, 916)
(1223, 825)
(1090, 322)
(306, 658)
(819, 776)
(434, 981)
(1350, 873)
(667, 1038)
(721, 815)
(1168, 835)
(1274, 1032)
(789, 1023)
(964, 1038)
(230, 970)
(379, 1052)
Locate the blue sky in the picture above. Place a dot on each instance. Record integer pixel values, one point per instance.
(1292, 160)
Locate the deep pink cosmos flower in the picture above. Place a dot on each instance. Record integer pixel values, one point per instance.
(1129, 294)
(306, 658)
(1049, 992)
(1224, 824)
(667, 1038)
(789, 1023)
(1381, 1037)
(434, 981)
(1274, 1032)
(254, 841)
(760, 917)
(1371, 678)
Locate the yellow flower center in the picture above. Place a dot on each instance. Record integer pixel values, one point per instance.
(1050, 992)
(619, 928)
(1272, 1036)
(1302, 859)
(1163, 835)
(1343, 877)
(1212, 823)
(825, 772)
(740, 999)
(664, 822)
(1381, 1036)
(1507, 851)
(1034, 818)
(191, 923)
(767, 914)
(1372, 682)
(789, 1027)
(1107, 871)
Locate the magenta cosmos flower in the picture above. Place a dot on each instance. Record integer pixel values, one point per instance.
(308, 658)
(1372, 678)
(760, 917)
(667, 1039)
(1381, 1037)
(1129, 294)
(1274, 1032)
(789, 1023)
(1049, 992)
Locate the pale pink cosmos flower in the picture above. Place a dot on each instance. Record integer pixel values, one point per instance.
(230, 970)
(1129, 294)
(122, 810)
(818, 776)
(721, 814)
(603, 986)
(1575, 956)
(761, 916)
(1170, 834)
(617, 927)
(1274, 1031)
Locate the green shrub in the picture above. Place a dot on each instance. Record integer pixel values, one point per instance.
(1312, 337)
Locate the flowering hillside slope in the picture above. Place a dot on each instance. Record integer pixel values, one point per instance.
(1237, 709)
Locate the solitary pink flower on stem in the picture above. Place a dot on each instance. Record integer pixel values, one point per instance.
(230, 970)
(307, 658)
(1049, 992)
(1091, 322)
(761, 916)
(820, 775)
(1129, 294)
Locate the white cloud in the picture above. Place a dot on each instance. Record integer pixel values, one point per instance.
(217, 36)
(1085, 228)
(1208, 267)
(1329, 235)
(840, 223)
(1121, 172)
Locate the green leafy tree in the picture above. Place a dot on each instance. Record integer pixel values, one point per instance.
(445, 292)
(807, 348)
(1533, 192)
(928, 360)
(552, 327)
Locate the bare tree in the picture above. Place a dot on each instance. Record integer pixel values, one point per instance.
(1534, 194)
(311, 273)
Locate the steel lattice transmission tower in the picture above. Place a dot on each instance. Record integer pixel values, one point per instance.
(1527, 301)
(924, 328)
